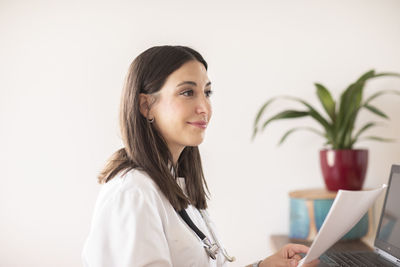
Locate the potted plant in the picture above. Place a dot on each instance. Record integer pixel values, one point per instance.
(343, 167)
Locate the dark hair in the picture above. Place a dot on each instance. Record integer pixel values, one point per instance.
(145, 148)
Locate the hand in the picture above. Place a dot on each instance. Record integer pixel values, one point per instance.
(288, 256)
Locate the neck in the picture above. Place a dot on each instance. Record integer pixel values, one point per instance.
(175, 152)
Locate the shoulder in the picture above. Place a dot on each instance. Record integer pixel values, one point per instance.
(133, 183)
(136, 180)
(131, 196)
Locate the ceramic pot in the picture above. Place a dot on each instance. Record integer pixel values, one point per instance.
(344, 168)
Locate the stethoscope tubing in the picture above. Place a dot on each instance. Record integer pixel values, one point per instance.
(214, 237)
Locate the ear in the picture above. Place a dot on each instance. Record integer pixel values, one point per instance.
(144, 104)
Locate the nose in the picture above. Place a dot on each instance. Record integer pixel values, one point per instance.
(203, 106)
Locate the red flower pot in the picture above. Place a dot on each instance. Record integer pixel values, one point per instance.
(344, 169)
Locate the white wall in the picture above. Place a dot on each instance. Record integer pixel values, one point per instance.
(62, 65)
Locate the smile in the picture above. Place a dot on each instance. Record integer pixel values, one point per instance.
(199, 124)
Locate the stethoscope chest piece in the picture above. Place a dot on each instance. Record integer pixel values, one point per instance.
(211, 249)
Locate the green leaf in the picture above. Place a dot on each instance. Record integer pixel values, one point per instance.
(259, 114)
(339, 126)
(372, 97)
(353, 93)
(316, 116)
(350, 105)
(287, 114)
(393, 74)
(344, 103)
(298, 129)
(363, 129)
(369, 74)
(376, 138)
(313, 112)
(376, 111)
(347, 100)
(326, 99)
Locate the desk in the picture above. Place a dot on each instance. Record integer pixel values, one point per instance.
(278, 241)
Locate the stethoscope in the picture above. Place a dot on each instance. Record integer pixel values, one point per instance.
(211, 249)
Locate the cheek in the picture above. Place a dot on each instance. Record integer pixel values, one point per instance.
(182, 109)
(173, 112)
(210, 111)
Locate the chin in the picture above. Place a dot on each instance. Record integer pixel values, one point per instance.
(195, 142)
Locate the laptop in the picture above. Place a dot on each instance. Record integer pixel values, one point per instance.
(387, 240)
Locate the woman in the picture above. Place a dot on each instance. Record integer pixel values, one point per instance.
(154, 196)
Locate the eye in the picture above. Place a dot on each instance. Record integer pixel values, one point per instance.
(208, 93)
(187, 93)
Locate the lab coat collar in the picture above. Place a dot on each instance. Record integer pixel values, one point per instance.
(181, 181)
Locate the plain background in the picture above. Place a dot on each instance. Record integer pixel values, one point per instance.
(62, 66)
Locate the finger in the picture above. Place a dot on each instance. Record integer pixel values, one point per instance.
(277, 261)
(292, 263)
(297, 257)
(292, 249)
(313, 263)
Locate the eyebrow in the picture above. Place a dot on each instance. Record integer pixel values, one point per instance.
(191, 83)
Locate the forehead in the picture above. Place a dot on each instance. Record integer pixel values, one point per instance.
(190, 71)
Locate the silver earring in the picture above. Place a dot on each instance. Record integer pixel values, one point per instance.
(150, 120)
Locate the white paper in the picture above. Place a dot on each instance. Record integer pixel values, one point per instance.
(347, 209)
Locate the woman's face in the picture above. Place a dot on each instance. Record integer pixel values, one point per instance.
(182, 109)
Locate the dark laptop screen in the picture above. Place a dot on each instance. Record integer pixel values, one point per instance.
(388, 235)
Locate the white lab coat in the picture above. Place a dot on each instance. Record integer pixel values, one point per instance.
(135, 225)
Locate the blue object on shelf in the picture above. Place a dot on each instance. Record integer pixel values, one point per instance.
(308, 210)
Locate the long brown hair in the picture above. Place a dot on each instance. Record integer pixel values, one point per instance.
(145, 148)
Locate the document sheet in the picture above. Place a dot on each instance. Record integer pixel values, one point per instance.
(347, 209)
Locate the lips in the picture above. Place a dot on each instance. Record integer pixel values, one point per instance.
(199, 124)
